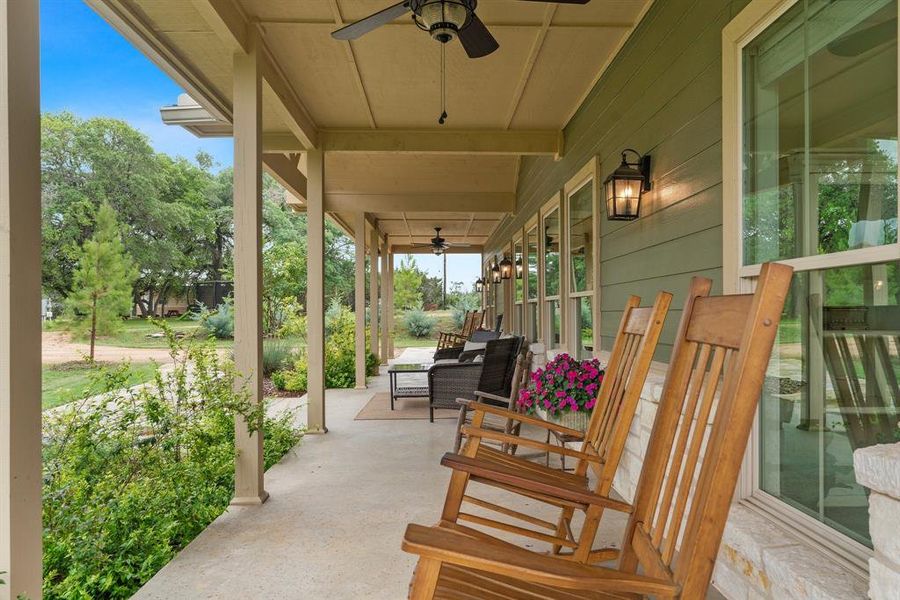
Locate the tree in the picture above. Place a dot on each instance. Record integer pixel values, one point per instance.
(102, 282)
(408, 284)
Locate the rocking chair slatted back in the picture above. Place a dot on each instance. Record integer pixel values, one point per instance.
(715, 378)
(620, 391)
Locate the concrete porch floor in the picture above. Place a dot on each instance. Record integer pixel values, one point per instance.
(334, 521)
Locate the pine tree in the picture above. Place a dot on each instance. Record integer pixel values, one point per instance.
(102, 282)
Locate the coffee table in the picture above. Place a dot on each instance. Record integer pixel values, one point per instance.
(408, 390)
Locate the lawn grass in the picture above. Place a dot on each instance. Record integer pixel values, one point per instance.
(67, 382)
(134, 332)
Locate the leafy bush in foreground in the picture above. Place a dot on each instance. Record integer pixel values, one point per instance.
(130, 480)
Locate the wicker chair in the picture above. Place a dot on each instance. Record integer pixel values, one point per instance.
(493, 375)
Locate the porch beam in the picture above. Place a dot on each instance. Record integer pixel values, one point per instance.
(248, 168)
(315, 292)
(373, 291)
(407, 249)
(359, 297)
(20, 295)
(285, 171)
(424, 141)
(472, 202)
(233, 27)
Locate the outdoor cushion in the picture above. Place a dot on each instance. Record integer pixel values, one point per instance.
(469, 346)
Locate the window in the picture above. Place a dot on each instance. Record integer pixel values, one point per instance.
(519, 286)
(532, 320)
(811, 152)
(581, 263)
(552, 244)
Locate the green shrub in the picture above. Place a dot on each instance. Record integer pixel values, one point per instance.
(279, 380)
(277, 356)
(464, 304)
(418, 323)
(340, 354)
(130, 481)
(220, 324)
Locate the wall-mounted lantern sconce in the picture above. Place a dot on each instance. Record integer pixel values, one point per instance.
(520, 268)
(506, 268)
(479, 285)
(495, 273)
(625, 187)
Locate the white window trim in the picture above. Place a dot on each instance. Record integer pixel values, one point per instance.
(532, 224)
(555, 203)
(588, 174)
(518, 312)
(745, 27)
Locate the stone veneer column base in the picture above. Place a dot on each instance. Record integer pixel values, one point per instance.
(878, 468)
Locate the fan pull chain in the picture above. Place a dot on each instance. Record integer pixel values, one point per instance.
(443, 117)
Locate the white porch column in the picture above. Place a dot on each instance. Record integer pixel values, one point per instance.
(373, 292)
(20, 296)
(385, 307)
(878, 468)
(389, 309)
(249, 470)
(359, 297)
(315, 291)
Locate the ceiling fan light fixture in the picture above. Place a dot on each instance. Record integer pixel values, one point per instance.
(443, 19)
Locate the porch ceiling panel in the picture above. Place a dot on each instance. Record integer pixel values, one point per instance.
(569, 61)
(400, 70)
(320, 72)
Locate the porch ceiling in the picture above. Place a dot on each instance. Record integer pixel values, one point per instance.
(373, 103)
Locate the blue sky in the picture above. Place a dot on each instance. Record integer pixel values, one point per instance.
(87, 68)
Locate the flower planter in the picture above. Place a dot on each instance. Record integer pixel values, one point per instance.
(573, 420)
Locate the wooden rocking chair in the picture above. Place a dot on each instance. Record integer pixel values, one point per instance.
(471, 322)
(520, 379)
(602, 447)
(716, 375)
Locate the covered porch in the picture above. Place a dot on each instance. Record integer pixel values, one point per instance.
(516, 172)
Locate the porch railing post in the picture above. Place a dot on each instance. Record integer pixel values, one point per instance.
(315, 291)
(359, 298)
(20, 297)
(249, 468)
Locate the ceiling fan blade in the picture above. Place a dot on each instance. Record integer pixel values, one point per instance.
(382, 17)
(476, 40)
(458, 245)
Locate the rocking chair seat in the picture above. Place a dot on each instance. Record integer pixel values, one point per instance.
(518, 574)
(464, 583)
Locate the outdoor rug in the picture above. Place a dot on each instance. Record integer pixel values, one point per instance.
(379, 409)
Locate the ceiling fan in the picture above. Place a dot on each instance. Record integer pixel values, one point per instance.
(438, 244)
(443, 19)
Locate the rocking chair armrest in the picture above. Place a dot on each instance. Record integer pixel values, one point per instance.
(444, 545)
(514, 477)
(490, 396)
(509, 438)
(523, 418)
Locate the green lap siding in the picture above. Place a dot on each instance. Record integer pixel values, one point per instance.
(661, 95)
